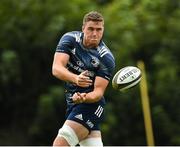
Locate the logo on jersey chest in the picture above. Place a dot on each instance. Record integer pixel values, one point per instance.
(80, 63)
(95, 62)
(73, 51)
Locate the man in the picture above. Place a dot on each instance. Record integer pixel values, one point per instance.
(86, 64)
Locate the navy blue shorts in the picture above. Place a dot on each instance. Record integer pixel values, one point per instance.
(89, 115)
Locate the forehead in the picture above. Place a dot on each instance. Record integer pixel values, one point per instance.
(95, 24)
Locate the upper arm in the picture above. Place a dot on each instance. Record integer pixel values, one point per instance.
(100, 85)
(103, 75)
(106, 68)
(60, 61)
(63, 51)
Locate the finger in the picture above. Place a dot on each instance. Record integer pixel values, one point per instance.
(78, 94)
(81, 96)
(80, 81)
(84, 77)
(84, 98)
(77, 100)
(84, 94)
(85, 73)
(75, 97)
(85, 81)
(84, 84)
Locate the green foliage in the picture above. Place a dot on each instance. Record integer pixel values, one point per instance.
(48, 115)
(32, 101)
(9, 67)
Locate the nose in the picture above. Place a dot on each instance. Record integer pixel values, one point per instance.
(94, 33)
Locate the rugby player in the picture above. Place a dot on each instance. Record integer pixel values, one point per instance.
(86, 64)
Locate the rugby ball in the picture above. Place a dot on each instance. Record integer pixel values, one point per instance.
(126, 78)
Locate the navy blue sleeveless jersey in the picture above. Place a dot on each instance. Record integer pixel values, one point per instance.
(98, 61)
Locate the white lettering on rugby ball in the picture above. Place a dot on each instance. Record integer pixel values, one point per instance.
(128, 74)
(126, 78)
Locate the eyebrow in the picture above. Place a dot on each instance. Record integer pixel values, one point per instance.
(95, 27)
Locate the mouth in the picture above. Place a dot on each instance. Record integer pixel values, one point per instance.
(94, 39)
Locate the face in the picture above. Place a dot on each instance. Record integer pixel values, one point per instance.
(93, 32)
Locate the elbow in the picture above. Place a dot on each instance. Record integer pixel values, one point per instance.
(55, 72)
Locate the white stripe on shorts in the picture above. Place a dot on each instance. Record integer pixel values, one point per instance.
(99, 111)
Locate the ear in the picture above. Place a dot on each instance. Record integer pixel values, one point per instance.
(82, 28)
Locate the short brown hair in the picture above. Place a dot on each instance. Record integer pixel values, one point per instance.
(93, 16)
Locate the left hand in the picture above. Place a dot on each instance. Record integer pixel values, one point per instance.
(79, 97)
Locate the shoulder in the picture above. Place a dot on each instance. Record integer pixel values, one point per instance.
(72, 36)
(106, 56)
(104, 51)
(68, 41)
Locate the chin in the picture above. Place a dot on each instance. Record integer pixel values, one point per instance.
(94, 45)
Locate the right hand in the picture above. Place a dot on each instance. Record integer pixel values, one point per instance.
(83, 80)
(79, 97)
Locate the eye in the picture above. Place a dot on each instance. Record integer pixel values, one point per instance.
(90, 29)
(99, 29)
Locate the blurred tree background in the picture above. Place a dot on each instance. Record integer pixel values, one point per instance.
(32, 104)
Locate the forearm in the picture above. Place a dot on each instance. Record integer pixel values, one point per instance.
(64, 74)
(100, 85)
(93, 96)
